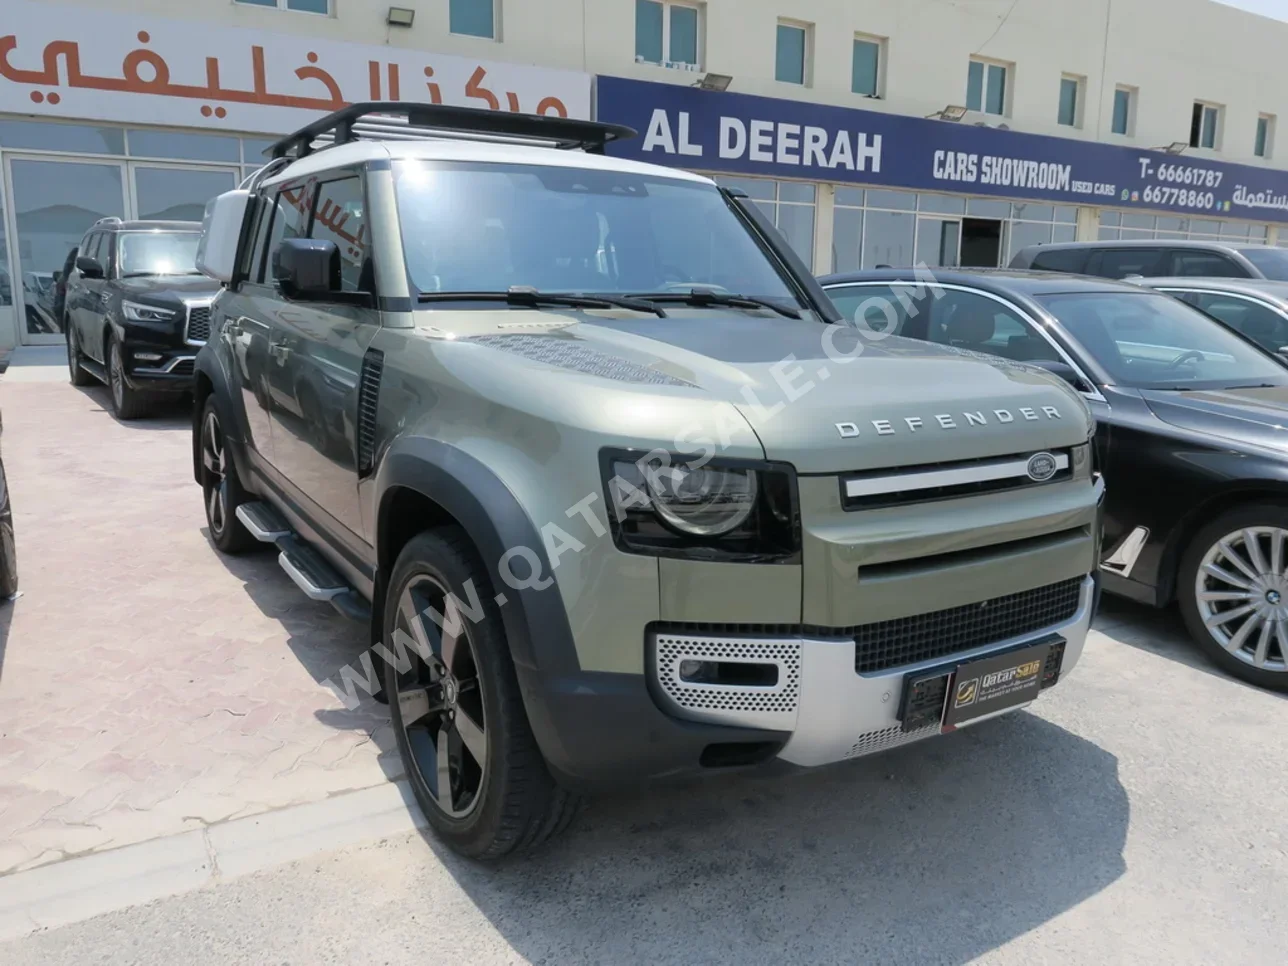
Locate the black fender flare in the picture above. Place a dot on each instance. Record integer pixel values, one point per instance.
(207, 365)
(535, 621)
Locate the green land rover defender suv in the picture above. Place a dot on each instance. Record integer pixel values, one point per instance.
(619, 492)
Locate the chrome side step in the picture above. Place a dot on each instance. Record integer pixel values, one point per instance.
(307, 568)
(263, 522)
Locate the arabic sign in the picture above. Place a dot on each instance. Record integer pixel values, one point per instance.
(738, 133)
(117, 66)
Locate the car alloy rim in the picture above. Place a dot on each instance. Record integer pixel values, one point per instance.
(1242, 594)
(440, 700)
(117, 378)
(212, 458)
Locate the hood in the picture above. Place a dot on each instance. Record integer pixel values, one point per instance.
(1257, 417)
(895, 402)
(168, 288)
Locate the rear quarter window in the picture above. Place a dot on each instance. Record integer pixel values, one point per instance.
(1187, 263)
(1121, 262)
(1071, 260)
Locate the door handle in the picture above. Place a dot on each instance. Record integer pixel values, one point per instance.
(279, 351)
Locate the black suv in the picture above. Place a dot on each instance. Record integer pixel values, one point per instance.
(1156, 258)
(137, 310)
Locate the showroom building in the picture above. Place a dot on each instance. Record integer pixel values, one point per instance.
(875, 132)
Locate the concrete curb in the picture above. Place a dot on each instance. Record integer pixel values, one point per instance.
(91, 885)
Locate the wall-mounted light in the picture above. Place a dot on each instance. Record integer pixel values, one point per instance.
(714, 82)
(953, 112)
(1176, 147)
(400, 17)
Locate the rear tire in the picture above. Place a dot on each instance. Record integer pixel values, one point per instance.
(127, 403)
(457, 711)
(221, 487)
(79, 377)
(8, 551)
(1233, 593)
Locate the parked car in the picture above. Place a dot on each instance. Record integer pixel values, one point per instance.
(8, 550)
(137, 311)
(520, 378)
(1255, 308)
(1190, 438)
(1156, 257)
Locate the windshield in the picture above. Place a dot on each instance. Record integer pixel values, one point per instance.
(158, 253)
(1149, 341)
(1270, 262)
(487, 227)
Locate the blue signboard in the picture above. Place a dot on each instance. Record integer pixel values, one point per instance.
(738, 133)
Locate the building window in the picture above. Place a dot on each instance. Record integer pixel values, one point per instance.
(667, 34)
(1205, 126)
(1264, 146)
(1071, 88)
(301, 6)
(1124, 110)
(867, 65)
(473, 18)
(792, 59)
(986, 86)
(790, 205)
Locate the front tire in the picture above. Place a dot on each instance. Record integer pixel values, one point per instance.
(79, 377)
(221, 487)
(454, 701)
(1233, 591)
(127, 403)
(8, 550)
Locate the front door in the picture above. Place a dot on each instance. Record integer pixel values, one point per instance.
(53, 204)
(316, 351)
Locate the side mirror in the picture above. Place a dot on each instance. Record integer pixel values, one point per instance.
(1282, 353)
(1065, 372)
(307, 268)
(221, 229)
(89, 267)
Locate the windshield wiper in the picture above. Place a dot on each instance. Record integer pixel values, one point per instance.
(527, 296)
(705, 296)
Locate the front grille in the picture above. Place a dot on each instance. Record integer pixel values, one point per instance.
(184, 368)
(896, 490)
(923, 637)
(198, 324)
(875, 741)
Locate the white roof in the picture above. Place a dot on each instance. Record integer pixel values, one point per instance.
(449, 149)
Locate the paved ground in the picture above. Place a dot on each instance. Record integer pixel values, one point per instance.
(1136, 816)
(148, 684)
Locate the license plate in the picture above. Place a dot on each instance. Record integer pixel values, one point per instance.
(994, 684)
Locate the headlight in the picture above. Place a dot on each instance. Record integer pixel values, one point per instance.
(728, 510)
(704, 502)
(145, 313)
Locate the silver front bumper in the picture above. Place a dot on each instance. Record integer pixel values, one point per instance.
(832, 712)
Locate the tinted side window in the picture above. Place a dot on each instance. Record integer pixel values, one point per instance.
(874, 306)
(1121, 262)
(290, 220)
(89, 247)
(1204, 264)
(254, 265)
(1258, 322)
(1061, 260)
(966, 320)
(341, 217)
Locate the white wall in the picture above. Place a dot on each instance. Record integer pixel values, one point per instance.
(1174, 51)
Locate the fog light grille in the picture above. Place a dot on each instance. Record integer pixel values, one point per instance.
(745, 702)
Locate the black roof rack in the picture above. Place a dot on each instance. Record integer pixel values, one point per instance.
(408, 120)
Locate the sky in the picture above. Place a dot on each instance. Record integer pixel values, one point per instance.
(1269, 8)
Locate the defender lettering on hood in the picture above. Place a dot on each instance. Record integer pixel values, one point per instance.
(949, 421)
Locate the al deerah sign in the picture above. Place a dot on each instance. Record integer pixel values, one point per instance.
(742, 134)
(86, 63)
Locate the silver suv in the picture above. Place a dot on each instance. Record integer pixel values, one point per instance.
(619, 493)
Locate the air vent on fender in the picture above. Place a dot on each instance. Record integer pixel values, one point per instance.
(373, 365)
